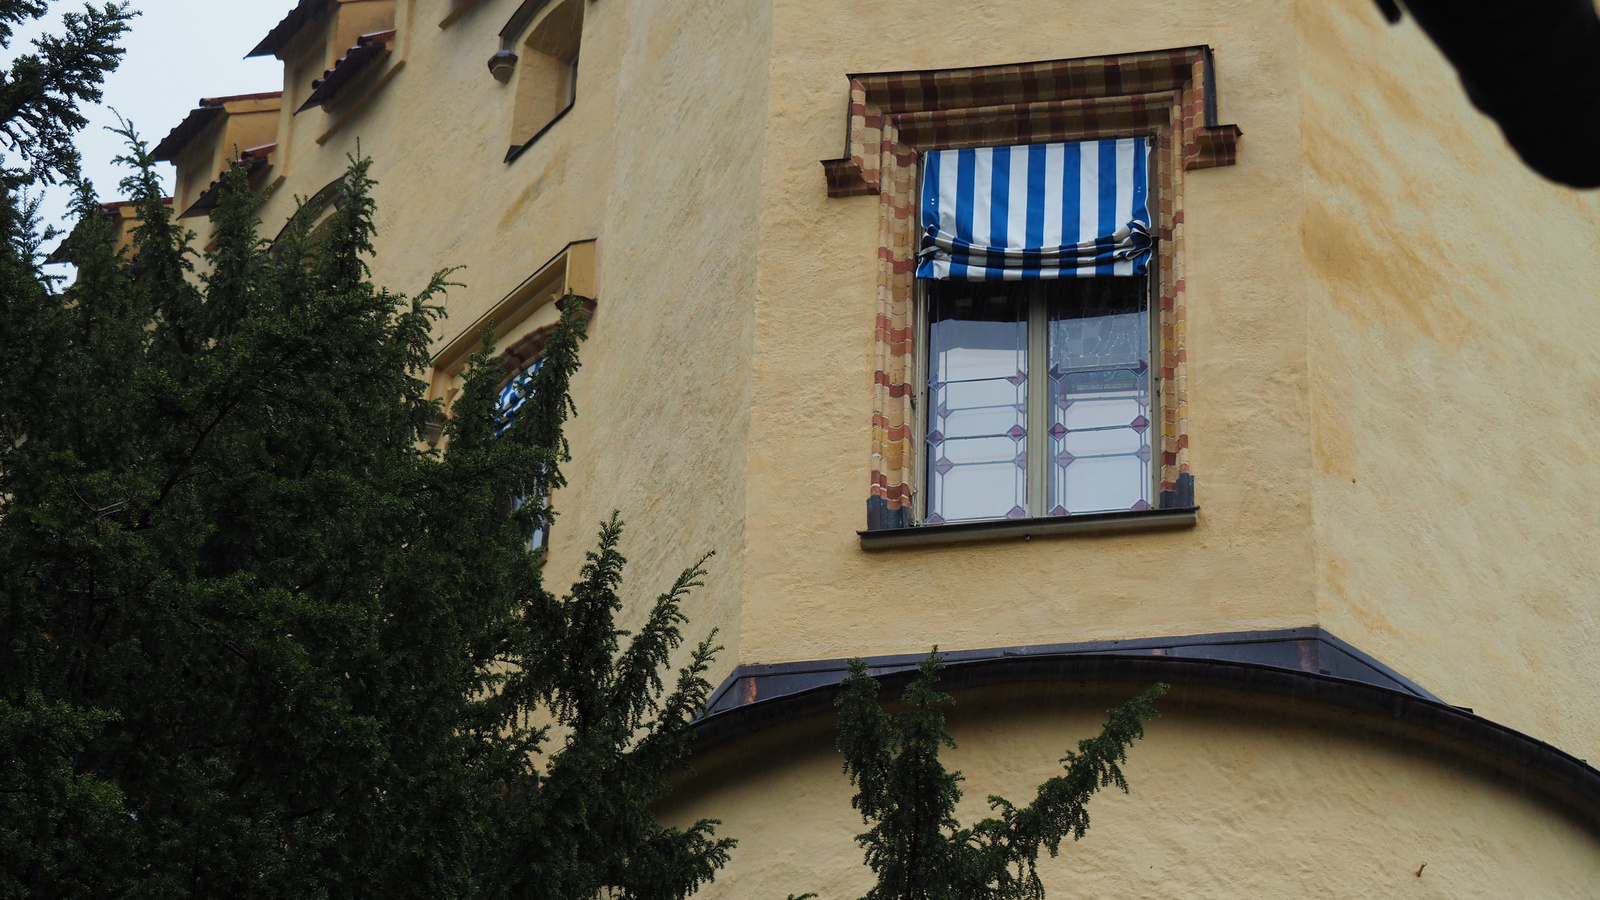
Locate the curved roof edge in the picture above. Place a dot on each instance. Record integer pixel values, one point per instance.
(1570, 781)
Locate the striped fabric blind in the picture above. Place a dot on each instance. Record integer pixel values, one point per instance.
(1036, 211)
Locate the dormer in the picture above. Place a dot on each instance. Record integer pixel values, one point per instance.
(124, 217)
(215, 135)
(327, 44)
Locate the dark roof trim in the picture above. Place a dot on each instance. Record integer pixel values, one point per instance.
(63, 251)
(254, 158)
(187, 130)
(520, 19)
(368, 47)
(232, 98)
(516, 149)
(197, 120)
(1252, 663)
(282, 33)
(1301, 649)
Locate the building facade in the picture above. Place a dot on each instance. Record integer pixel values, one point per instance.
(1315, 456)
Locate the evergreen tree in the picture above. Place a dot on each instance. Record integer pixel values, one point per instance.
(915, 845)
(41, 93)
(259, 639)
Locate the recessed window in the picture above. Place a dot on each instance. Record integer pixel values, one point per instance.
(546, 73)
(522, 319)
(1038, 388)
(1038, 398)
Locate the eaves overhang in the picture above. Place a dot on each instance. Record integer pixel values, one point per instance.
(253, 160)
(186, 131)
(281, 34)
(209, 110)
(1289, 665)
(369, 47)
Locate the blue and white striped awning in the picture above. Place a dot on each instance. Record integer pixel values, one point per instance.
(1036, 211)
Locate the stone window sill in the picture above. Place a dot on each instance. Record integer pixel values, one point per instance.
(1026, 529)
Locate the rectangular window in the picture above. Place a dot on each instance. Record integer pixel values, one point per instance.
(1038, 398)
(513, 394)
(1036, 295)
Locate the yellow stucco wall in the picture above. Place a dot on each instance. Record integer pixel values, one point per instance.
(1392, 388)
(659, 159)
(813, 592)
(1455, 391)
(1229, 800)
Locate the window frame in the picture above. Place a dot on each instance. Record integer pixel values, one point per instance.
(1038, 472)
(893, 116)
(1038, 421)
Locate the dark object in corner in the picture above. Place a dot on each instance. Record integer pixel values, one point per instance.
(1534, 67)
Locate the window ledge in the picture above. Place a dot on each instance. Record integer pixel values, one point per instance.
(1012, 529)
(516, 149)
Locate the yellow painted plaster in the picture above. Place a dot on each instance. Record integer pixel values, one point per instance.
(1229, 800)
(1394, 405)
(1455, 401)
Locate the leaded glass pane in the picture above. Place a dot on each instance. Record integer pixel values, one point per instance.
(1099, 385)
(977, 424)
(515, 393)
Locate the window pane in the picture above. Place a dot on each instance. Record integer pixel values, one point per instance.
(977, 401)
(1099, 383)
(515, 393)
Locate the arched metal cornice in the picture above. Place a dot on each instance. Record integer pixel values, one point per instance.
(1306, 666)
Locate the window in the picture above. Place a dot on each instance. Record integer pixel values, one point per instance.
(1037, 397)
(897, 121)
(517, 390)
(1035, 290)
(522, 319)
(547, 68)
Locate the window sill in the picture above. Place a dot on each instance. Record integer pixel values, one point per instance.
(1025, 529)
(516, 149)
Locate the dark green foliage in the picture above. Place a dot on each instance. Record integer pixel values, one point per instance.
(258, 639)
(40, 94)
(915, 846)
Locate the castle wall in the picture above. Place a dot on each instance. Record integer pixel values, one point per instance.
(1229, 799)
(1387, 387)
(1454, 393)
(1248, 565)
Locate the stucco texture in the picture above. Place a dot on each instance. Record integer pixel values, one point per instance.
(1455, 395)
(659, 158)
(811, 592)
(1394, 410)
(1229, 799)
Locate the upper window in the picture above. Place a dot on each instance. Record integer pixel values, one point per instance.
(1035, 278)
(547, 69)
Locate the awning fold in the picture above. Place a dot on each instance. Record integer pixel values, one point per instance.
(1036, 211)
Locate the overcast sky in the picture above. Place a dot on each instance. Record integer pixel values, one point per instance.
(178, 52)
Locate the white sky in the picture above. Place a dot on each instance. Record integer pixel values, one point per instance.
(177, 52)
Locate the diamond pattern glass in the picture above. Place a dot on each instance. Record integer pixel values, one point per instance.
(977, 400)
(1099, 350)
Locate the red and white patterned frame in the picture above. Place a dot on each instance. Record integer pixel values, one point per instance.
(1169, 95)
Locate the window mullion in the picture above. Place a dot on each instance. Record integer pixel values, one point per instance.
(1038, 443)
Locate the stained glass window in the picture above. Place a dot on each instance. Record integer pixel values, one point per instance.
(516, 392)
